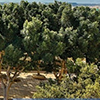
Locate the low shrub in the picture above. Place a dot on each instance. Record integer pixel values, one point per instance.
(85, 85)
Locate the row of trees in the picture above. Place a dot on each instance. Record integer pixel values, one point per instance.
(45, 34)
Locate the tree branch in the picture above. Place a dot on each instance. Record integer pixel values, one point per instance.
(8, 74)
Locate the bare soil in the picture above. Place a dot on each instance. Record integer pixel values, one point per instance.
(26, 87)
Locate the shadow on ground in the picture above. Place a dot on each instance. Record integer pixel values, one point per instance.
(23, 89)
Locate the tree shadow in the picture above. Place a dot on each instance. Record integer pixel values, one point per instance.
(25, 88)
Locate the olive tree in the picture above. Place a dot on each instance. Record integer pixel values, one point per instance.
(13, 66)
(40, 43)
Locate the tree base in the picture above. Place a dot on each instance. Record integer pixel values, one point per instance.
(39, 77)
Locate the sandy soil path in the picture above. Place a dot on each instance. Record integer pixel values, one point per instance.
(26, 87)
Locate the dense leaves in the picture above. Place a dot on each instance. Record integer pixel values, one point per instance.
(44, 33)
(84, 85)
(77, 28)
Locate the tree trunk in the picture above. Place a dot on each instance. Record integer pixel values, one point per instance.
(63, 69)
(6, 91)
(38, 67)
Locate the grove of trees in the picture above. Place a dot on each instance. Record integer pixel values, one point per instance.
(48, 34)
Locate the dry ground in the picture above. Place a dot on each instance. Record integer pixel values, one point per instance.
(26, 87)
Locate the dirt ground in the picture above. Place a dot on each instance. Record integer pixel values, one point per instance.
(26, 87)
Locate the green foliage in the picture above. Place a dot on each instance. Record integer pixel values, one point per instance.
(31, 33)
(85, 85)
(66, 16)
(78, 27)
(51, 30)
(12, 56)
(48, 31)
(40, 43)
(52, 44)
(74, 67)
(70, 37)
(88, 32)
